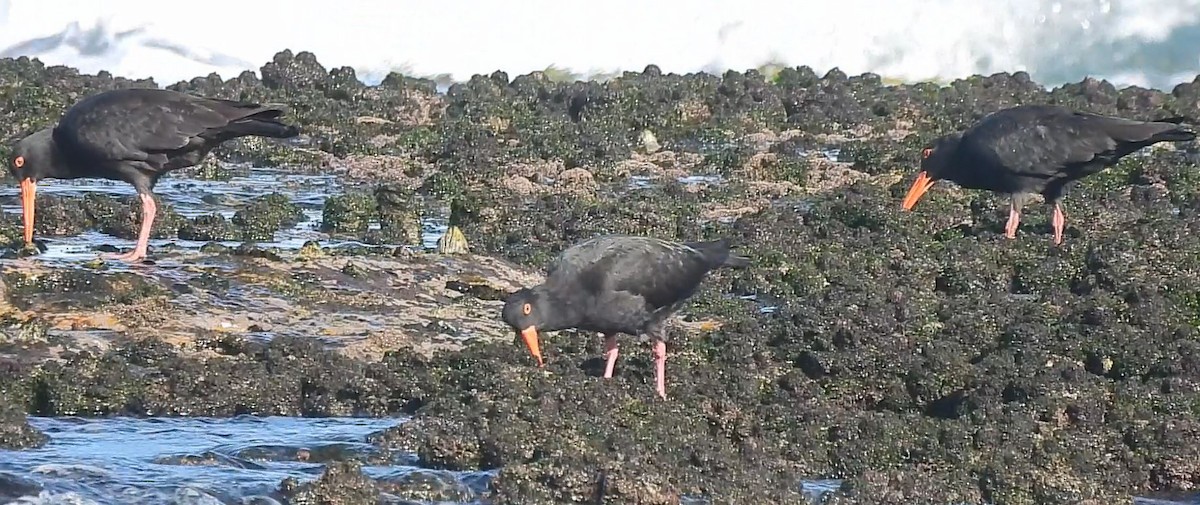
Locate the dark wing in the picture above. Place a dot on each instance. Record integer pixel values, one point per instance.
(137, 124)
(1039, 142)
(569, 263)
(665, 280)
(660, 272)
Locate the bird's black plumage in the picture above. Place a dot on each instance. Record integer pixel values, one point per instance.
(137, 135)
(616, 284)
(624, 283)
(1036, 149)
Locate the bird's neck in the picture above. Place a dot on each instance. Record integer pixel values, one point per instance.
(58, 165)
(563, 310)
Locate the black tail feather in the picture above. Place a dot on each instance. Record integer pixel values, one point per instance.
(1174, 135)
(263, 124)
(251, 119)
(1176, 120)
(1177, 134)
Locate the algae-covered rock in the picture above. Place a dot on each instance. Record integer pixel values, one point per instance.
(399, 214)
(342, 483)
(294, 72)
(15, 431)
(209, 227)
(263, 216)
(77, 288)
(428, 486)
(350, 213)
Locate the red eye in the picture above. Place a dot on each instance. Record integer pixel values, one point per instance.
(526, 309)
(19, 162)
(926, 152)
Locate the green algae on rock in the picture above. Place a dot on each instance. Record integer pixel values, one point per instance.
(400, 211)
(349, 213)
(263, 216)
(342, 483)
(15, 431)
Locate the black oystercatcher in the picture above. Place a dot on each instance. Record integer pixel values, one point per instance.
(1036, 149)
(135, 135)
(616, 284)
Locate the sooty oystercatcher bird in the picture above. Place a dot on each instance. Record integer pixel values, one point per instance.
(1036, 149)
(136, 136)
(617, 284)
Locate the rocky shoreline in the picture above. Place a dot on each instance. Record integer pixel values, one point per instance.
(918, 355)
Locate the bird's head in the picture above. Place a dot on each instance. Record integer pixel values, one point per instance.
(524, 312)
(31, 159)
(935, 165)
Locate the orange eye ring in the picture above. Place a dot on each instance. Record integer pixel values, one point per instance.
(926, 152)
(19, 161)
(526, 309)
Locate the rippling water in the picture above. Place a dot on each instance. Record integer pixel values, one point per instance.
(196, 460)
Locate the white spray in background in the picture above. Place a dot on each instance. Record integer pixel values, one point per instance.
(1143, 42)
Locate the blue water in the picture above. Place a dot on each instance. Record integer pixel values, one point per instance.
(202, 460)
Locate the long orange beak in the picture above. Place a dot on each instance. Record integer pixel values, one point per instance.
(531, 341)
(919, 187)
(28, 194)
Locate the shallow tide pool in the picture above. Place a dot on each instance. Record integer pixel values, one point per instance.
(195, 197)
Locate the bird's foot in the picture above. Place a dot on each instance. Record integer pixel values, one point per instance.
(133, 256)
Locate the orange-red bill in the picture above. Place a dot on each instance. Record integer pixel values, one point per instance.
(531, 341)
(918, 189)
(28, 194)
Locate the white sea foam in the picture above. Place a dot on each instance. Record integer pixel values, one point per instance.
(1145, 42)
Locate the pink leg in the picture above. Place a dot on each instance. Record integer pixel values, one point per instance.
(1014, 219)
(610, 352)
(1059, 221)
(149, 209)
(660, 367)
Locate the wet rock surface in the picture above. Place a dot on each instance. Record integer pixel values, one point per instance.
(918, 355)
(15, 431)
(341, 483)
